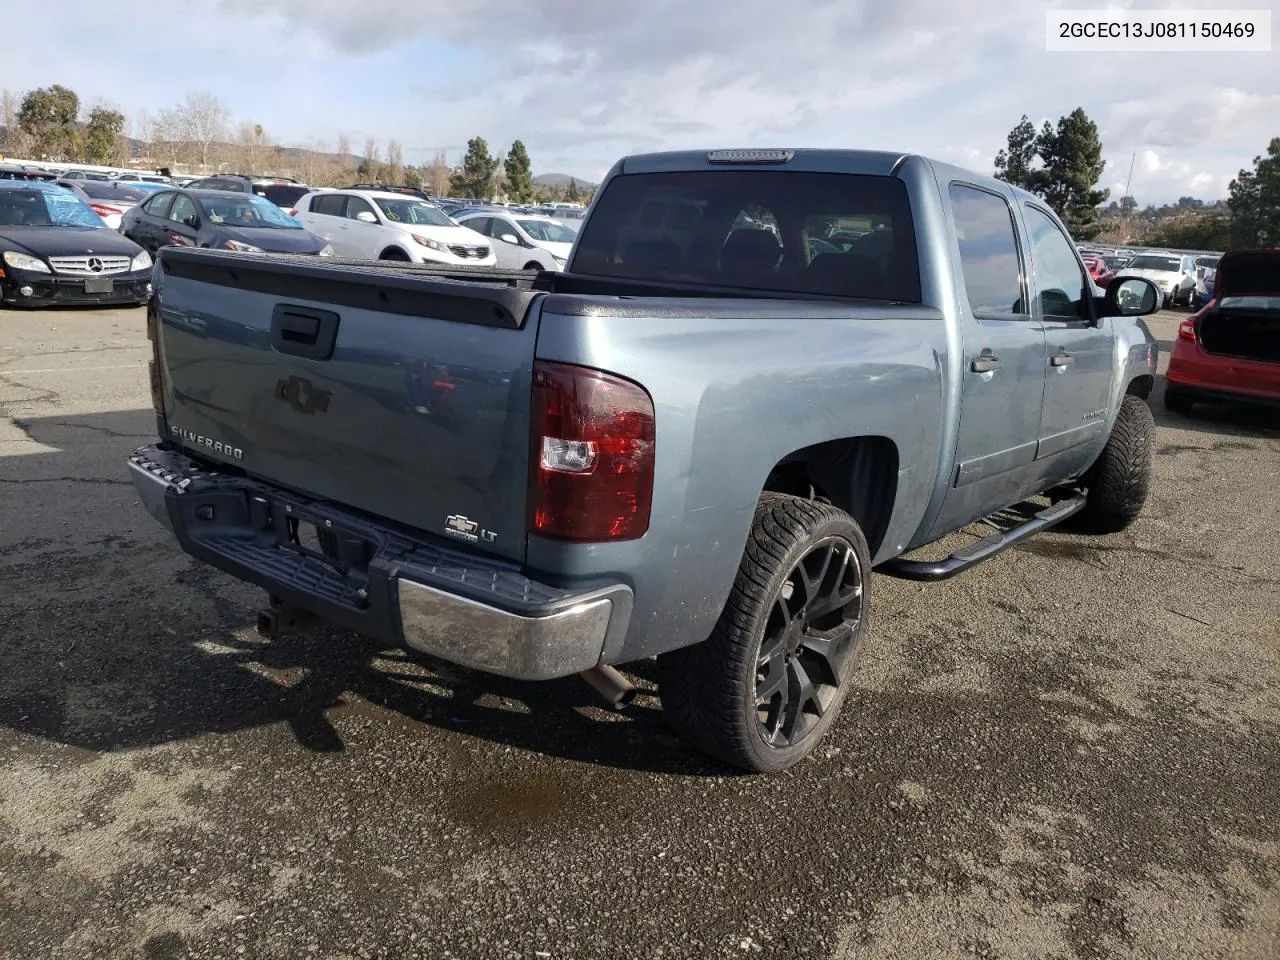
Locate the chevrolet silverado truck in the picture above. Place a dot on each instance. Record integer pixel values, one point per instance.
(762, 375)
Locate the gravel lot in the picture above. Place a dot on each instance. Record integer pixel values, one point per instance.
(1071, 751)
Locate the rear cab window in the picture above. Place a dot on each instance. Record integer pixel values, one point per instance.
(791, 232)
(989, 253)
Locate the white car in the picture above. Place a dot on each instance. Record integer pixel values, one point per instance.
(1173, 273)
(370, 225)
(109, 199)
(523, 241)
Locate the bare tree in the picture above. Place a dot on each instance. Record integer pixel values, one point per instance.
(253, 146)
(16, 143)
(205, 118)
(170, 137)
(436, 176)
(395, 163)
(369, 165)
(141, 128)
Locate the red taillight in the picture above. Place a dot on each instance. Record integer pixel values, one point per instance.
(153, 365)
(1187, 329)
(592, 455)
(293, 212)
(102, 210)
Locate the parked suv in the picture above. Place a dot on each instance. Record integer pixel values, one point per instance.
(522, 241)
(282, 191)
(371, 225)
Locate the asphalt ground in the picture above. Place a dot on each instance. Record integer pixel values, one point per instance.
(1070, 751)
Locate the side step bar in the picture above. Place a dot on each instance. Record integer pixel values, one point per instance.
(987, 547)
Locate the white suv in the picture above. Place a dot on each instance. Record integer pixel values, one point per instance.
(370, 225)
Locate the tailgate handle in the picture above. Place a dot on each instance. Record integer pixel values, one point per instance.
(304, 331)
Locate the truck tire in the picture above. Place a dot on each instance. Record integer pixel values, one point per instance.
(1117, 483)
(762, 690)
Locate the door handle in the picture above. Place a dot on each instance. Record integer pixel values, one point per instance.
(985, 364)
(1061, 359)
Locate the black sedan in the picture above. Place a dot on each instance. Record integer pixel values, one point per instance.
(218, 219)
(54, 249)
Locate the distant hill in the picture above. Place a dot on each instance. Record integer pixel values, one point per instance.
(560, 181)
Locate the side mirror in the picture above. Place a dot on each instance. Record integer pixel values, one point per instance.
(509, 238)
(364, 216)
(1132, 297)
(193, 222)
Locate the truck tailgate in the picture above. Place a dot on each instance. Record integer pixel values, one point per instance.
(393, 391)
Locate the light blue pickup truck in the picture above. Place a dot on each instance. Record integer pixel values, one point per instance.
(762, 375)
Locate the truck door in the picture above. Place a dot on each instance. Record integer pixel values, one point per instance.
(1003, 377)
(1080, 348)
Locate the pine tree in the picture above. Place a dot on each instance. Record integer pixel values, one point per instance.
(519, 173)
(475, 179)
(1013, 164)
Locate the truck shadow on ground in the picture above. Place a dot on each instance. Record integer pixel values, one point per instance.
(112, 638)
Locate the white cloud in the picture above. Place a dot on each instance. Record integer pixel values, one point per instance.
(583, 82)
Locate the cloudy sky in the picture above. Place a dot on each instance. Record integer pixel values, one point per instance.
(583, 82)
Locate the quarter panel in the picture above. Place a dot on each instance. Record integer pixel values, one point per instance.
(735, 390)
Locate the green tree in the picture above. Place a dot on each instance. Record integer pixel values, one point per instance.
(104, 127)
(475, 179)
(48, 116)
(572, 193)
(1199, 232)
(519, 173)
(1073, 165)
(1013, 164)
(413, 178)
(1253, 198)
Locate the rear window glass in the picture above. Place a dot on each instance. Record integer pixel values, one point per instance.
(826, 234)
(283, 195)
(1155, 263)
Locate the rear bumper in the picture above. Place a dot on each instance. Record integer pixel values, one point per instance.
(397, 588)
(1212, 376)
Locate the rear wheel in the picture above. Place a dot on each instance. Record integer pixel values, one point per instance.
(762, 690)
(533, 265)
(1116, 485)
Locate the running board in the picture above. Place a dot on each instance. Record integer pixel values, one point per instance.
(987, 547)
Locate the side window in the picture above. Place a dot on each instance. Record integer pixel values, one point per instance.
(988, 252)
(159, 206)
(357, 205)
(183, 209)
(479, 224)
(1061, 282)
(330, 204)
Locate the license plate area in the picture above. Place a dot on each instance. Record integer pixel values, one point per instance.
(99, 285)
(324, 541)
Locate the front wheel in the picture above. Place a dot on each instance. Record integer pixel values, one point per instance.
(762, 690)
(1116, 485)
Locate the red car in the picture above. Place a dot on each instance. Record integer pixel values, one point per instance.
(1098, 269)
(1230, 350)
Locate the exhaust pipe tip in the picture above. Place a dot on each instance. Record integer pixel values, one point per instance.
(616, 689)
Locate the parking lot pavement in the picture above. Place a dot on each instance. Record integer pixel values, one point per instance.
(1069, 752)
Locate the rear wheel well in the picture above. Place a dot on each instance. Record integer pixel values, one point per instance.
(857, 474)
(1141, 386)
